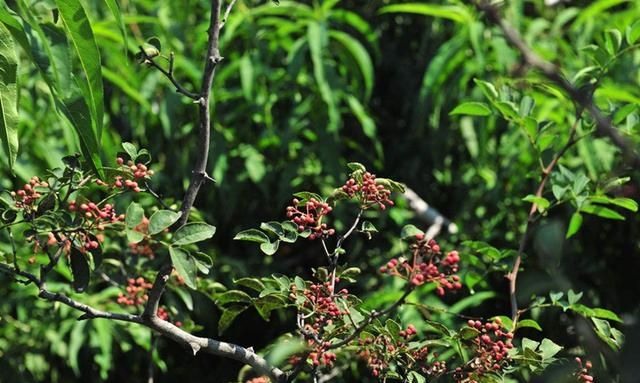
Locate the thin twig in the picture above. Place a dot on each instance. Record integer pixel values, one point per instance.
(374, 314)
(512, 276)
(226, 13)
(167, 73)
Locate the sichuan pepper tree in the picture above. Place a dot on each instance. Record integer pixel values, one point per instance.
(60, 224)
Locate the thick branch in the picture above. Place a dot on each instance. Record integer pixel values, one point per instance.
(552, 72)
(164, 328)
(199, 174)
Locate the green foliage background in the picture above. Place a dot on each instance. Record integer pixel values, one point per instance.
(304, 88)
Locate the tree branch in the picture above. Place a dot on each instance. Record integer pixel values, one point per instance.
(199, 174)
(168, 73)
(370, 319)
(512, 276)
(554, 73)
(194, 343)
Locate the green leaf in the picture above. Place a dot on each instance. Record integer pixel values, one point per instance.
(79, 269)
(228, 315)
(115, 11)
(606, 314)
(264, 305)
(601, 211)
(541, 202)
(612, 40)
(361, 57)
(131, 150)
(252, 235)
(452, 12)
(529, 344)
(528, 323)
(392, 185)
(573, 297)
(471, 109)
(134, 215)
(252, 283)
(80, 34)
(625, 203)
(356, 166)
(192, 233)
(409, 232)
(233, 296)
(488, 89)
(8, 96)
(185, 265)
(134, 236)
(633, 32)
(467, 333)
(46, 204)
(317, 38)
(161, 220)
(185, 296)
(574, 224)
(270, 248)
(415, 377)
(548, 348)
(76, 110)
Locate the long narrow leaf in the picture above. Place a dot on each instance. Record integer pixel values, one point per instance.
(360, 55)
(8, 95)
(115, 10)
(83, 42)
(316, 34)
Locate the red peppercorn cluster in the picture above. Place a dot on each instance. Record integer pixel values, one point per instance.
(310, 217)
(320, 356)
(368, 191)
(136, 292)
(144, 247)
(381, 351)
(321, 301)
(98, 217)
(27, 196)
(427, 266)
(132, 174)
(491, 349)
(409, 332)
(163, 314)
(582, 374)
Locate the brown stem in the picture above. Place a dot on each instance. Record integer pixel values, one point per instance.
(512, 276)
(369, 320)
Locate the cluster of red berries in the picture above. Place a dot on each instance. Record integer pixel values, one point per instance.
(368, 191)
(132, 174)
(99, 217)
(28, 195)
(371, 353)
(310, 218)
(379, 351)
(163, 314)
(582, 374)
(143, 247)
(320, 299)
(491, 349)
(320, 356)
(409, 332)
(136, 292)
(427, 266)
